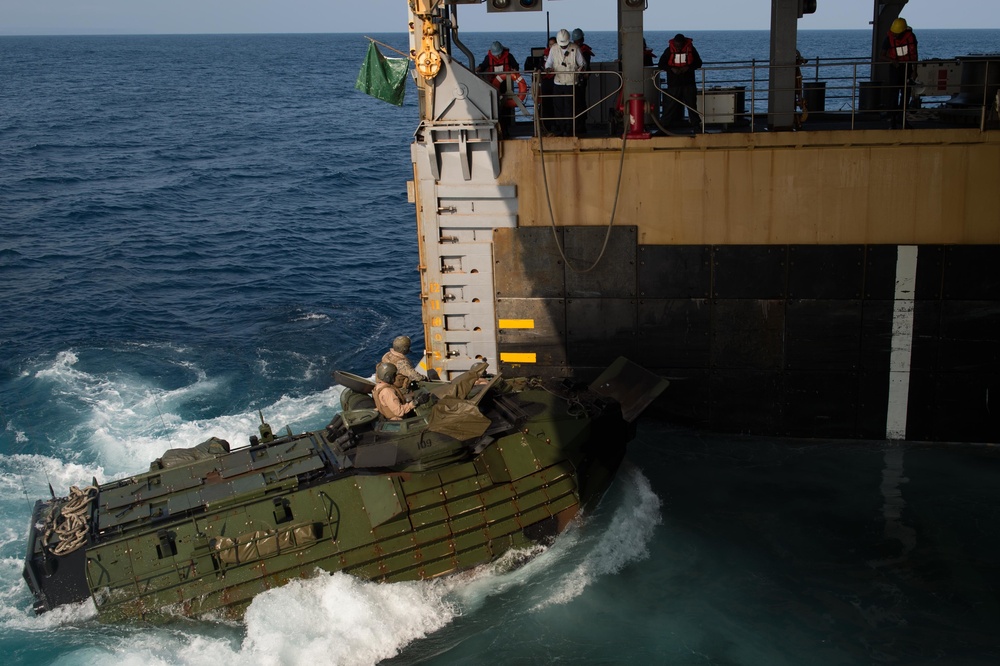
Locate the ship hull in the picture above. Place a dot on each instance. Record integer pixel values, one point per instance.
(841, 341)
(830, 283)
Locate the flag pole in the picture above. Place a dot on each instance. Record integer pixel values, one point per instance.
(371, 39)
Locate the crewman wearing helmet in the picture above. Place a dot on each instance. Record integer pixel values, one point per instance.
(405, 373)
(499, 60)
(389, 399)
(900, 48)
(565, 60)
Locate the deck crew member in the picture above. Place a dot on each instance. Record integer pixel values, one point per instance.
(565, 60)
(389, 399)
(499, 60)
(900, 48)
(680, 60)
(405, 373)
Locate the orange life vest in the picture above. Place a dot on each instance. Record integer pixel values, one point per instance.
(501, 64)
(681, 55)
(903, 47)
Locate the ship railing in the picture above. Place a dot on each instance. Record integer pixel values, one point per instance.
(845, 92)
(509, 98)
(596, 100)
(733, 96)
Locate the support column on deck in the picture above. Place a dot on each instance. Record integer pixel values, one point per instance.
(781, 86)
(630, 45)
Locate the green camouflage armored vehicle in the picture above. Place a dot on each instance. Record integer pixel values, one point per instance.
(484, 466)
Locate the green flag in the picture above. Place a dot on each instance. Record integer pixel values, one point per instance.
(384, 78)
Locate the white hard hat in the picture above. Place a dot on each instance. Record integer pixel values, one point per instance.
(562, 37)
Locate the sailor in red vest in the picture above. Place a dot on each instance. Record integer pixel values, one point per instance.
(499, 61)
(900, 48)
(680, 60)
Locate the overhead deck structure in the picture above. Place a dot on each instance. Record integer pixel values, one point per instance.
(835, 282)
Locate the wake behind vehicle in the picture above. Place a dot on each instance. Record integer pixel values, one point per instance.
(484, 466)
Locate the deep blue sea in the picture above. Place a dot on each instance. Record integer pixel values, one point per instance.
(195, 228)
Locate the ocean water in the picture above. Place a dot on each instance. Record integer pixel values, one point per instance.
(195, 228)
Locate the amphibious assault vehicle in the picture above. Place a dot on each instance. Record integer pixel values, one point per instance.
(484, 466)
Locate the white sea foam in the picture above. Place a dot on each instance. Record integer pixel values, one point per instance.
(301, 366)
(133, 445)
(25, 474)
(339, 619)
(131, 423)
(601, 551)
(333, 619)
(61, 367)
(516, 570)
(20, 437)
(625, 540)
(16, 602)
(312, 316)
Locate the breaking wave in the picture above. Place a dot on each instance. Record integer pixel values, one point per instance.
(623, 541)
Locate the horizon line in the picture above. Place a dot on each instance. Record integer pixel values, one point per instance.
(404, 32)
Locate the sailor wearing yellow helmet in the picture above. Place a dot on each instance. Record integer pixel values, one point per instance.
(900, 48)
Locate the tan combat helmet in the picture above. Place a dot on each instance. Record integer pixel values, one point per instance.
(385, 372)
(401, 344)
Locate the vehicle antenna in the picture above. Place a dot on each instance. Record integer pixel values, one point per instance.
(156, 402)
(24, 488)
